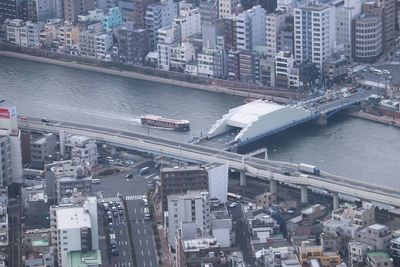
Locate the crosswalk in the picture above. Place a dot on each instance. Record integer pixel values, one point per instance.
(117, 199)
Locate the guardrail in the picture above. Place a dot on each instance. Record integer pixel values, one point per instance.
(235, 161)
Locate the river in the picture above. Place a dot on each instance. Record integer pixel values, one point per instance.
(346, 146)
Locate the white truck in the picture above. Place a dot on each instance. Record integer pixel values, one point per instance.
(310, 169)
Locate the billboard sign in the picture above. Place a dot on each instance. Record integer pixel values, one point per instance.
(4, 113)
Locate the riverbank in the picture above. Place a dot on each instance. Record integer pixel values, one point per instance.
(371, 117)
(135, 75)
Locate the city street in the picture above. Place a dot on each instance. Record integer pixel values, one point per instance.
(132, 190)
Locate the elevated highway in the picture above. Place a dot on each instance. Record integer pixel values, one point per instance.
(263, 169)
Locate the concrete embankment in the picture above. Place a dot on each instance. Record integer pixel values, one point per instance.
(135, 75)
(371, 117)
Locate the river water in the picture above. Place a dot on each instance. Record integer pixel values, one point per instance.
(346, 146)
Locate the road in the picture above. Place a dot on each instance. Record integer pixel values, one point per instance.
(133, 191)
(264, 169)
(14, 217)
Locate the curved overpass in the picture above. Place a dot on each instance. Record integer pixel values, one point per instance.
(263, 169)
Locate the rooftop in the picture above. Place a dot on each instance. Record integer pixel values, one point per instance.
(184, 168)
(74, 217)
(251, 112)
(80, 259)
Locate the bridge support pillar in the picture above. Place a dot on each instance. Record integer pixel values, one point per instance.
(242, 178)
(322, 120)
(335, 201)
(304, 194)
(272, 186)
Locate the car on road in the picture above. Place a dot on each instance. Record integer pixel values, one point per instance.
(234, 204)
(115, 252)
(119, 207)
(45, 120)
(121, 212)
(129, 176)
(111, 226)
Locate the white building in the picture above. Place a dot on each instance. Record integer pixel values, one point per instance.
(345, 15)
(314, 33)
(250, 28)
(194, 206)
(93, 15)
(218, 182)
(23, 33)
(166, 38)
(159, 15)
(357, 252)
(227, 8)
(103, 44)
(79, 148)
(361, 216)
(74, 227)
(284, 64)
(378, 236)
(188, 22)
(179, 55)
(274, 24)
(10, 150)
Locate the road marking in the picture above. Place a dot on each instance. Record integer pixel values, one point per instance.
(145, 231)
(138, 231)
(126, 243)
(147, 242)
(123, 252)
(151, 263)
(140, 242)
(134, 210)
(129, 263)
(142, 253)
(100, 198)
(120, 231)
(148, 252)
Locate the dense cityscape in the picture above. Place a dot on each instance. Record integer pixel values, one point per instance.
(171, 188)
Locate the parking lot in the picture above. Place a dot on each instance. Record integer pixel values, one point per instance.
(131, 186)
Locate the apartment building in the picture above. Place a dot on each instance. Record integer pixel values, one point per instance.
(250, 28)
(314, 27)
(74, 228)
(194, 206)
(274, 23)
(180, 180)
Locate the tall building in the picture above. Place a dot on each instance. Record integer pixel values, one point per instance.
(10, 148)
(227, 8)
(250, 28)
(389, 18)
(284, 65)
(181, 179)
(167, 37)
(72, 8)
(159, 15)
(74, 228)
(208, 11)
(135, 10)
(9, 9)
(133, 46)
(345, 14)
(274, 23)
(194, 206)
(368, 38)
(40, 10)
(112, 19)
(314, 33)
(187, 23)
